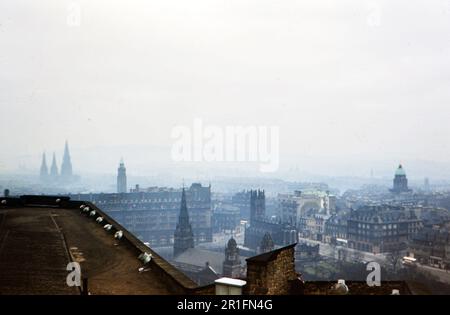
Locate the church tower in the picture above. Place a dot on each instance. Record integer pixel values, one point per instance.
(232, 263)
(121, 178)
(257, 205)
(54, 169)
(183, 237)
(66, 166)
(44, 170)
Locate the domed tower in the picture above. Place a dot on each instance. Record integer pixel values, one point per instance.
(267, 244)
(400, 181)
(232, 263)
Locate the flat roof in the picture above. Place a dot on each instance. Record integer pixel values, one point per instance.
(37, 243)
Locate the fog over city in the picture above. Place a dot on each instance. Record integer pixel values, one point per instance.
(224, 147)
(355, 87)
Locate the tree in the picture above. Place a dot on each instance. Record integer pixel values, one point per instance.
(394, 256)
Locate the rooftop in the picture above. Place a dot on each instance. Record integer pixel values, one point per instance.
(39, 237)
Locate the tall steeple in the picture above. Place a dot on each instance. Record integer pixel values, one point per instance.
(121, 178)
(183, 236)
(54, 168)
(66, 166)
(44, 170)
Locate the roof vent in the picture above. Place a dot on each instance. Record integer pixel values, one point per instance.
(340, 288)
(118, 235)
(108, 227)
(145, 257)
(99, 220)
(92, 213)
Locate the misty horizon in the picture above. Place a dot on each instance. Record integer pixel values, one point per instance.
(354, 91)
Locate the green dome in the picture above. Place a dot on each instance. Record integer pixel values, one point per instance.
(400, 171)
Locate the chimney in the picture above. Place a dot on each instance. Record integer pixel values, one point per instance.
(229, 286)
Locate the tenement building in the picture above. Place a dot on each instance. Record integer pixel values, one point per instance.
(431, 246)
(152, 214)
(241, 200)
(378, 229)
(336, 229)
(225, 217)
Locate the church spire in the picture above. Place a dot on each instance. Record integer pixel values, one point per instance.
(183, 236)
(184, 215)
(54, 168)
(66, 166)
(44, 169)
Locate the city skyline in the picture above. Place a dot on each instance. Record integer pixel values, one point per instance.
(211, 149)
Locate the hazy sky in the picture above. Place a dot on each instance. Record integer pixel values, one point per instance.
(344, 80)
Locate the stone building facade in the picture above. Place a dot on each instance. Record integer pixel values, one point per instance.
(335, 228)
(378, 229)
(152, 214)
(273, 273)
(225, 217)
